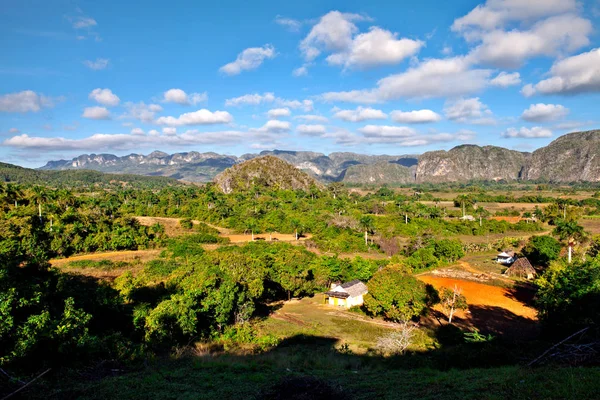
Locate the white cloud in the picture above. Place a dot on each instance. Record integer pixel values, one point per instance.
(385, 131)
(300, 71)
(449, 77)
(180, 97)
(468, 110)
(360, 114)
(496, 13)
(142, 111)
(153, 132)
(25, 101)
(137, 131)
(333, 32)
(105, 97)
(544, 112)
(311, 130)
(312, 118)
(528, 90)
(278, 113)
(306, 105)
(551, 37)
(258, 99)
(96, 113)
(169, 131)
(415, 117)
(572, 75)
(376, 47)
(100, 63)
(81, 22)
(200, 117)
(292, 25)
(399, 136)
(504, 79)
(274, 126)
(249, 59)
(533, 133)
(14, 130)
(250, 99)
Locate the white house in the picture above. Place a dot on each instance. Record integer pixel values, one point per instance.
(347, 295)
(506, 257)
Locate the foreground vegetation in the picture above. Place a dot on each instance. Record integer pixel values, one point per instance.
(191, 313)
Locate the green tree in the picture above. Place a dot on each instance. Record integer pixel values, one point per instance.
(366, 223)
(398, 296)
(452, 300)
(541, 250)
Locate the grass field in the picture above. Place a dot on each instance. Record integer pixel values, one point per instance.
(315, 372)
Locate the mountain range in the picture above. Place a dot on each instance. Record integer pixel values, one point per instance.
(572, 157)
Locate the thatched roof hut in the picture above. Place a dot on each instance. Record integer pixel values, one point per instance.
(521, 268)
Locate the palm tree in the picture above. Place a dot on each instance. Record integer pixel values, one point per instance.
(39, 196)
(366, 222)
(571, 232)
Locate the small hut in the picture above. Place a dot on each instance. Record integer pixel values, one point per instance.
(347, 295)
(506, 257)
(521, 268)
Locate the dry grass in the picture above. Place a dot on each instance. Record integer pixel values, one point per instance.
(115, 256)
(591, 225)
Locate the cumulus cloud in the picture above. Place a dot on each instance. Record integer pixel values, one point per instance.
(504, 79)
(336, 33)
(551, 37)
(249, 59)
(415, 117)
(142, 111)
(105, 97)
(468, 110)
(290, 24)
(333, 32)
(100, 63)
(496, 13)
(153, 132)
(137, 131)
(312, 118)
(250, 99)
(25, 101)
(399, 136)
(300, 71)
(449, 77)
(527, 133)
(169, 131)
(376, 47)
(274, 126)
(360, 114)
(278, 113)
(200, 117)
(180, 97)
(544, 112)
(96, 113)
(256, 99)
(311, 130)
(572, 75)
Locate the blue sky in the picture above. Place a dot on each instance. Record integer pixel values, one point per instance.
(379, 77)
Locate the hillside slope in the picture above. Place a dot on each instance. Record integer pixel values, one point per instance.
(266, 171)
(80, 178)
(380, 173)
(470, 162)
(572, 157)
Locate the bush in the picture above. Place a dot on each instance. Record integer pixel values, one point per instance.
(186, 223)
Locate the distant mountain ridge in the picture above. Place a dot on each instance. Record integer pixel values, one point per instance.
(572, 157)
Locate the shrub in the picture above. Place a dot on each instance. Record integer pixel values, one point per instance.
(186, 223)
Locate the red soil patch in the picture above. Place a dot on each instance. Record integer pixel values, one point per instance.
(479, 294)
